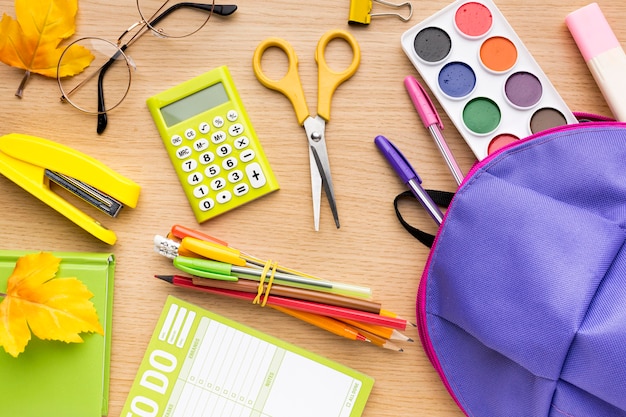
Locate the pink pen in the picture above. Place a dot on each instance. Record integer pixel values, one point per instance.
(432, 122)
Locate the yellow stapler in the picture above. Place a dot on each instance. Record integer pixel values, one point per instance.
(33, 162)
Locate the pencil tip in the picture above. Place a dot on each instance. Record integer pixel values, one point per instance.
(167, 278)
(401, 350)
(410, 340)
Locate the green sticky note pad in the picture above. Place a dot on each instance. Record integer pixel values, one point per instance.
(57, 379)
(200, 364)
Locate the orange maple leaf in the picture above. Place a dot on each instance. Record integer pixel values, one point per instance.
(52, 308)
(31, 42)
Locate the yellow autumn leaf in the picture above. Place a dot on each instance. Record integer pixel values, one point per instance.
(51, 308)
(31, 41)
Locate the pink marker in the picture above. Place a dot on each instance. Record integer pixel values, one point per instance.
(603, 54)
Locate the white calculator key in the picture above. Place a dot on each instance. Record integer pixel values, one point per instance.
(201, 144)
(176, 140)
(183, 152)
(218, 137)
(236, 129)
(224, 197)
(247, 155)
(206, 157)
(229, 163)
(255, 174)
(206, 204)
(235, 176)
(204, 128)
(201, 191)
(218, 121)
(242, 142)
(224, 150)
(241, 189)
(194, 178)
(190, 134)
(212, 170)
(189, 165)
(218, 184)
(232, 115)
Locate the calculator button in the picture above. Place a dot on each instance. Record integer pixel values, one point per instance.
(200, 191)
(236, 129)
(255, 175)
(218, 137)
(194, 178)
(206, 157)
(241, 189)
(247, 155)
(206, 204)
(218, 121)
(224, 197)
(183, 152)
(190, 134)
(176, 140)
(235, 176)
(232, 115)
(189, 165)
(229, 163)
(204, 128)
(224, 150)
(212, 170)
(242, 142)
(201, 144)
(218, 184)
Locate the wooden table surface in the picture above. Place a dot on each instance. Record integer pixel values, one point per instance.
(371, 248)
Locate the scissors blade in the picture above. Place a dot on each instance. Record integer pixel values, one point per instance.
(316, 189)
(315, 128)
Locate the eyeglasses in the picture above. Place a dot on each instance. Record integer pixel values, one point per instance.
(85, 90)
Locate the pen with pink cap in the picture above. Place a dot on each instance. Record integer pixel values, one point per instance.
(432, 122)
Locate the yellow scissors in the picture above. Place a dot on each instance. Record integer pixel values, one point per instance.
(291, 86)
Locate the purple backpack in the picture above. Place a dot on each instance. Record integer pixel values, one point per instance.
(522, 303)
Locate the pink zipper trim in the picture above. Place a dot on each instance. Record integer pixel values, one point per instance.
(594, 120)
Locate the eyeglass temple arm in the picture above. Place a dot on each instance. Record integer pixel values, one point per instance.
(221, 10)
(102, 116)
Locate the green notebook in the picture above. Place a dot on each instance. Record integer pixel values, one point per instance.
(56, 379)
(201, 364)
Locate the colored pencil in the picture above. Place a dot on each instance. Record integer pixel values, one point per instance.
(309, 306)
(247, 285)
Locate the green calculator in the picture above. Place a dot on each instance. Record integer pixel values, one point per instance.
(208, 136)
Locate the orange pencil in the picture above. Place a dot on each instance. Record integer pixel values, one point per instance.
(384, 332)
(326, 323)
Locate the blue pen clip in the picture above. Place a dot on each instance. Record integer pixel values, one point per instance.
(204, 268)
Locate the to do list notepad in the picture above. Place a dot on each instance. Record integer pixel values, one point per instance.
(201, 364)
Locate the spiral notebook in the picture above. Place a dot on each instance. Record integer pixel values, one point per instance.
(57, 379)
(201, 364)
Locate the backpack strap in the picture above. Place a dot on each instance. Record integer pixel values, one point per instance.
(441, 198)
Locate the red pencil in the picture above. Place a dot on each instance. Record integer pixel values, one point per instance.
(295, 304)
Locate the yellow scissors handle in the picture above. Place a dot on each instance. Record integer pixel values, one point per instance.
(329, 80)
(290, 85)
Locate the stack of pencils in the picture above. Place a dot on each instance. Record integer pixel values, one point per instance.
(215, 267)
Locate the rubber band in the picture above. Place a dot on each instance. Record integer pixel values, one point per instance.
(262, 290)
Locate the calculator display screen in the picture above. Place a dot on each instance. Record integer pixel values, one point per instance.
(193, 104)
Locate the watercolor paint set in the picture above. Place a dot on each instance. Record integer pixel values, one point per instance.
(483, 76)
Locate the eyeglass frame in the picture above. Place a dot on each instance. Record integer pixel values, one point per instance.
(145, 25)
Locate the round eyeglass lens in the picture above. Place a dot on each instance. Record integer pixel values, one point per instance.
(173, 18)
(108, 73)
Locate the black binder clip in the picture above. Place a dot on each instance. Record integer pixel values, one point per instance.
(360, 11)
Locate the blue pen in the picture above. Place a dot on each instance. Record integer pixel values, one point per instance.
(408, 176)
